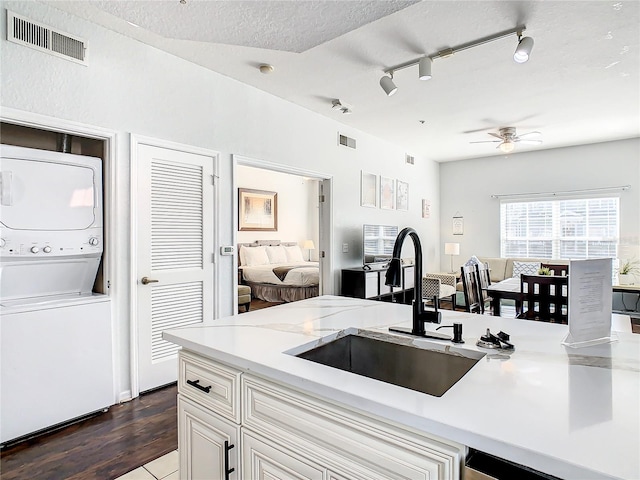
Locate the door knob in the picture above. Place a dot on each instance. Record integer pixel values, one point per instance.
(146, 280)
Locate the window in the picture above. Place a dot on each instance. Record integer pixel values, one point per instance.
(568, 228)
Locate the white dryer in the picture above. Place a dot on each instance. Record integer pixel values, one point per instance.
(55, 335)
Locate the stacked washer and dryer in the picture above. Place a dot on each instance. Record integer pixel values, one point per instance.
(55, 333)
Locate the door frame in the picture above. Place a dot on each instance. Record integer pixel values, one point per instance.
(111, 251)
(135, 141)
(325, 216)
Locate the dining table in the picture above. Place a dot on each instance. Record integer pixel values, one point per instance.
(505, 289)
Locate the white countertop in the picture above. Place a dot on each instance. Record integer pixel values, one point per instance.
(573, 413)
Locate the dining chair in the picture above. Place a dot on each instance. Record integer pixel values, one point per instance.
(558, 270)
(438, 286)
(484, 280)
(471, 288)
(545, 298)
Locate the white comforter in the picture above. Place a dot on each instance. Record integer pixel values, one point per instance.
(306, 276)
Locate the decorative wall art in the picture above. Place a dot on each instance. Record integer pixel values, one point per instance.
(458, 225)
(387, 193)
(257, 210)
(402, 195)
(368, 190)
(426, 208)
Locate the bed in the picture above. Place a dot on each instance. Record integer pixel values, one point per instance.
(277, 272)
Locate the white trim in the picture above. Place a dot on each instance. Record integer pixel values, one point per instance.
(326, 225)
(125, 396)
(111, 251)
(135, 141)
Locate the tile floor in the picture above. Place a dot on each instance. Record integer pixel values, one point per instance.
(163, 468)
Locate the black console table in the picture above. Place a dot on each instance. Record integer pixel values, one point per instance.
(360, 283)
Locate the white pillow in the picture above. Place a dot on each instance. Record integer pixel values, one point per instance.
(294, 254)
(255, 256)
(472, 261)
(276, 254)
(527, 268)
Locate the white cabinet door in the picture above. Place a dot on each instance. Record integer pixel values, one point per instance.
(209, 446)
(263, 460)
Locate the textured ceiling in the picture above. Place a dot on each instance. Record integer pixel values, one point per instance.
(581, 85)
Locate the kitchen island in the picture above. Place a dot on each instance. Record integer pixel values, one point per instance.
(570, 413)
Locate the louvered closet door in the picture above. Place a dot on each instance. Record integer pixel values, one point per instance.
(175, 250)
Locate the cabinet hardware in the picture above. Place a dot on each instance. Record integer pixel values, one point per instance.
(227, 471)
(147, 280)
(196, 383)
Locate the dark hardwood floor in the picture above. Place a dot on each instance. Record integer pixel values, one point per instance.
(103, 447)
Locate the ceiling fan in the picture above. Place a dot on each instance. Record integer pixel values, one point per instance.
(509, 138)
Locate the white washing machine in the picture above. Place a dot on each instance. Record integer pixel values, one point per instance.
(55, 334)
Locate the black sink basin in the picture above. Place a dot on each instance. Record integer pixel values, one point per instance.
(394, 360)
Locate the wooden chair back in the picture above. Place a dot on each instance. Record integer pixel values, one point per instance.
(545, 298)
(471, 288)
(484, 280)
(557, 270)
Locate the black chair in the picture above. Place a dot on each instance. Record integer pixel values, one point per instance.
(484, 280)
(471, 288)
(558, 270)
(545, 297)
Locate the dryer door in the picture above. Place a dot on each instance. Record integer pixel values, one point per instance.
(41, 195)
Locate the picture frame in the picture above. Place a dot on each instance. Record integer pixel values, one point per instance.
(368, 190)
(426, 208)
(257, 210)
(458, 226)
(387, 193)
(402, 195)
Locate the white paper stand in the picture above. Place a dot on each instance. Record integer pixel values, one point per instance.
(590, 297)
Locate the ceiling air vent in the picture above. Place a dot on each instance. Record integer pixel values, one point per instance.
(23, 31)
(409, 159)
(346, 141)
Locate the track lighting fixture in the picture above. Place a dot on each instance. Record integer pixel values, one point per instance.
(523, 50)
(386, 82)
(521, 55)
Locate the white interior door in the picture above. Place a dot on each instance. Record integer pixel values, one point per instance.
(175, 247)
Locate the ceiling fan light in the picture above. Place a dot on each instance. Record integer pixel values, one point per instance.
(388, 86)
(523, 50)
(507, 146)
(424, 68)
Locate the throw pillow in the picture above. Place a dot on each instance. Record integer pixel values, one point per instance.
(294, 254)
(255, 256)
(472, 261)
(528, 268)
(276, 254)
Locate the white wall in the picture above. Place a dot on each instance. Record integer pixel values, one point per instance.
(466, 187)
(297, 205)
(130, 87)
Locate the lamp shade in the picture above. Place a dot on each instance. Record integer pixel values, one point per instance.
(308, 245)
(452, 249)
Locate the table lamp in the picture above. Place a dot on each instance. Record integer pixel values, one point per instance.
(452, 249)
(308, 245)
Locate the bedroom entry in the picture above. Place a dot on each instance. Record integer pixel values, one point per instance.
(283, 257)
(174, 272)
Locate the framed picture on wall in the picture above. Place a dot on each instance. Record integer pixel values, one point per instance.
(402, 195)
(426, 208)
(368, 190)
(458, 225)
(387, 193)
(257, 210)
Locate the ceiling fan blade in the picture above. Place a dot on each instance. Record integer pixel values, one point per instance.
(530, 133)
(529, 142)
(495, 135)
(488, 141)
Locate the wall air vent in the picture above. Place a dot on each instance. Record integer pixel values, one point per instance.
(23, 31)
(346, 141)
(409, 159)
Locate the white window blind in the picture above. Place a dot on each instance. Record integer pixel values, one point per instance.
(576, 229)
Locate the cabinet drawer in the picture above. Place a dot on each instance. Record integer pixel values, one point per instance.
(355, 445)
(211, 384)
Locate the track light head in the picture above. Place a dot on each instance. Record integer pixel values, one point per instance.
(387, 85)
(424, 68)
(523, 50)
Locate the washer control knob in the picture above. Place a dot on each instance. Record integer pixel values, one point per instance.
(93, 241)
(47, 249)
(35, 249)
